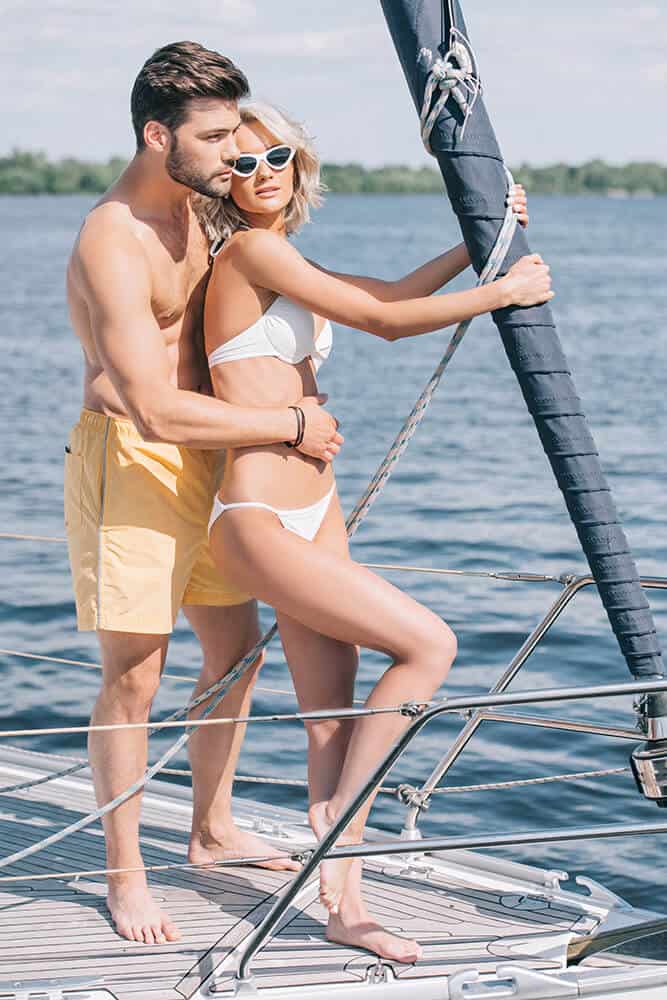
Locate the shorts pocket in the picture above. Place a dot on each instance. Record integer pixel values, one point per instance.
(73, 479)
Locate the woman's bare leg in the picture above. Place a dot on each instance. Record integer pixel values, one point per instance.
(331, 684)
(323, 670)
(330, 594)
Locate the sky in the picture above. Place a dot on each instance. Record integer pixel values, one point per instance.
(563, 81)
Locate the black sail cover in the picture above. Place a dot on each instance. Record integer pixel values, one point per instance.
(472, 168)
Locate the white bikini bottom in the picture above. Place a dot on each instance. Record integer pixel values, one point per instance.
(303, 521)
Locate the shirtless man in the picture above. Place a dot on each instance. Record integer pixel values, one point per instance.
(143, 462)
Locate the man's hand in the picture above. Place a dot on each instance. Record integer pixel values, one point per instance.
(321, 438)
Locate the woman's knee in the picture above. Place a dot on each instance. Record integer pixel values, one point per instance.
(436, 649)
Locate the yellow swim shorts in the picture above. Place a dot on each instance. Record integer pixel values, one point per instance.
(136, 514)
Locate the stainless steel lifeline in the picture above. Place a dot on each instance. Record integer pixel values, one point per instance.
(572, 586)
(421, 715)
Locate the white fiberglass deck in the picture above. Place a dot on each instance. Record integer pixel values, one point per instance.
(468, 913)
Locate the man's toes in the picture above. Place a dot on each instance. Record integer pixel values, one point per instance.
(280, 865)
(124, 929)
(137, 934)
(148, 937)
(158, 936)
(171, 931)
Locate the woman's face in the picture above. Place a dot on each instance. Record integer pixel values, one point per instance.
(268, 191)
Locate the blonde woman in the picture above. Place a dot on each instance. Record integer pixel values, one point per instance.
(277, 525)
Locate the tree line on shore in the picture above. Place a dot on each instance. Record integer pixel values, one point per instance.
(24, 172)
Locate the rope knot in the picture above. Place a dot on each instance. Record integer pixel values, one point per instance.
(453, 75)
(440, 70)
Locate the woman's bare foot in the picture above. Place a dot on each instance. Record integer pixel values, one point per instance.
(333, 874)
(356, 928)
(235, 843)
(135, 914)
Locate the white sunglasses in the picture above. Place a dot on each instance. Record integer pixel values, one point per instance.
(277, 158)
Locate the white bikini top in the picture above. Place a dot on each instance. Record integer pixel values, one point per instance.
(286, 331)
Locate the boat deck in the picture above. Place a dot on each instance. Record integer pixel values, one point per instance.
(60, 930)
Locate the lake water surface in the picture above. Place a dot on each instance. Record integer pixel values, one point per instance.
(473, 492)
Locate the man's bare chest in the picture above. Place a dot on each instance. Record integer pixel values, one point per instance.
(179, 264)
(178, 291)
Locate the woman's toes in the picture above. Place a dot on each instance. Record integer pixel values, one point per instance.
(330, 900)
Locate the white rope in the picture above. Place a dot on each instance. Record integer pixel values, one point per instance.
(32, 538)
(488, 274)
(446, 790)
(319, 715)
(521, 782)
(375, 487)
(296, 856)
(453, 75)
(174, 866)
(98, 666)
(507, 576)
(78, 663)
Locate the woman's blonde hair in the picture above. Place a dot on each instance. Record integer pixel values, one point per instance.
(220, 217)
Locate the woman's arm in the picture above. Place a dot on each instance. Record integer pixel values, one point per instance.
(268, 261)
(423, 281)
(435, 273)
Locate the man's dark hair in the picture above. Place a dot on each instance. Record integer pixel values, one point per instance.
(174, 76)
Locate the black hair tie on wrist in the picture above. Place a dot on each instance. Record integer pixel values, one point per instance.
(300, 427)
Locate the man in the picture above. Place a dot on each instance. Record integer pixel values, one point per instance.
(142, 464)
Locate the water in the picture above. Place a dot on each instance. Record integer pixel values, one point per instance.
(474, 491)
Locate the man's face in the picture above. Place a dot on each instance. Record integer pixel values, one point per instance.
(203, 148)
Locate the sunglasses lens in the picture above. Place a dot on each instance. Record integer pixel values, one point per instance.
(279, 156)
(245, 165)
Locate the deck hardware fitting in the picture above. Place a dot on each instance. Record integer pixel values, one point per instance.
(413, 709)
(379, 973)
(408, 795)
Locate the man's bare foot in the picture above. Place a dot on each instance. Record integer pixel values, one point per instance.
(235, 843)
(333, 874)
(136, 916)
(359, 930)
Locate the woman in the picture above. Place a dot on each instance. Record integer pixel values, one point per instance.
(277, 525)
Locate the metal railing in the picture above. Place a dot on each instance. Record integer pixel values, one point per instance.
(572, 585)
(481, 708)
(422, 716)
(478, 709)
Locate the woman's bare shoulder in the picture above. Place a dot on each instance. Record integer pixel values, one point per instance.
(249, 243)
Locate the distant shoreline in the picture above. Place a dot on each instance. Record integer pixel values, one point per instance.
(24, 172)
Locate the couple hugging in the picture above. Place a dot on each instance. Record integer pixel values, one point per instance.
(200, 472)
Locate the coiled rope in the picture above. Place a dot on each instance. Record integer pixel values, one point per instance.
(452, 75)
(377, 483)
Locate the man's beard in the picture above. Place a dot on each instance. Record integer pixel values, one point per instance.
(183, 170)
